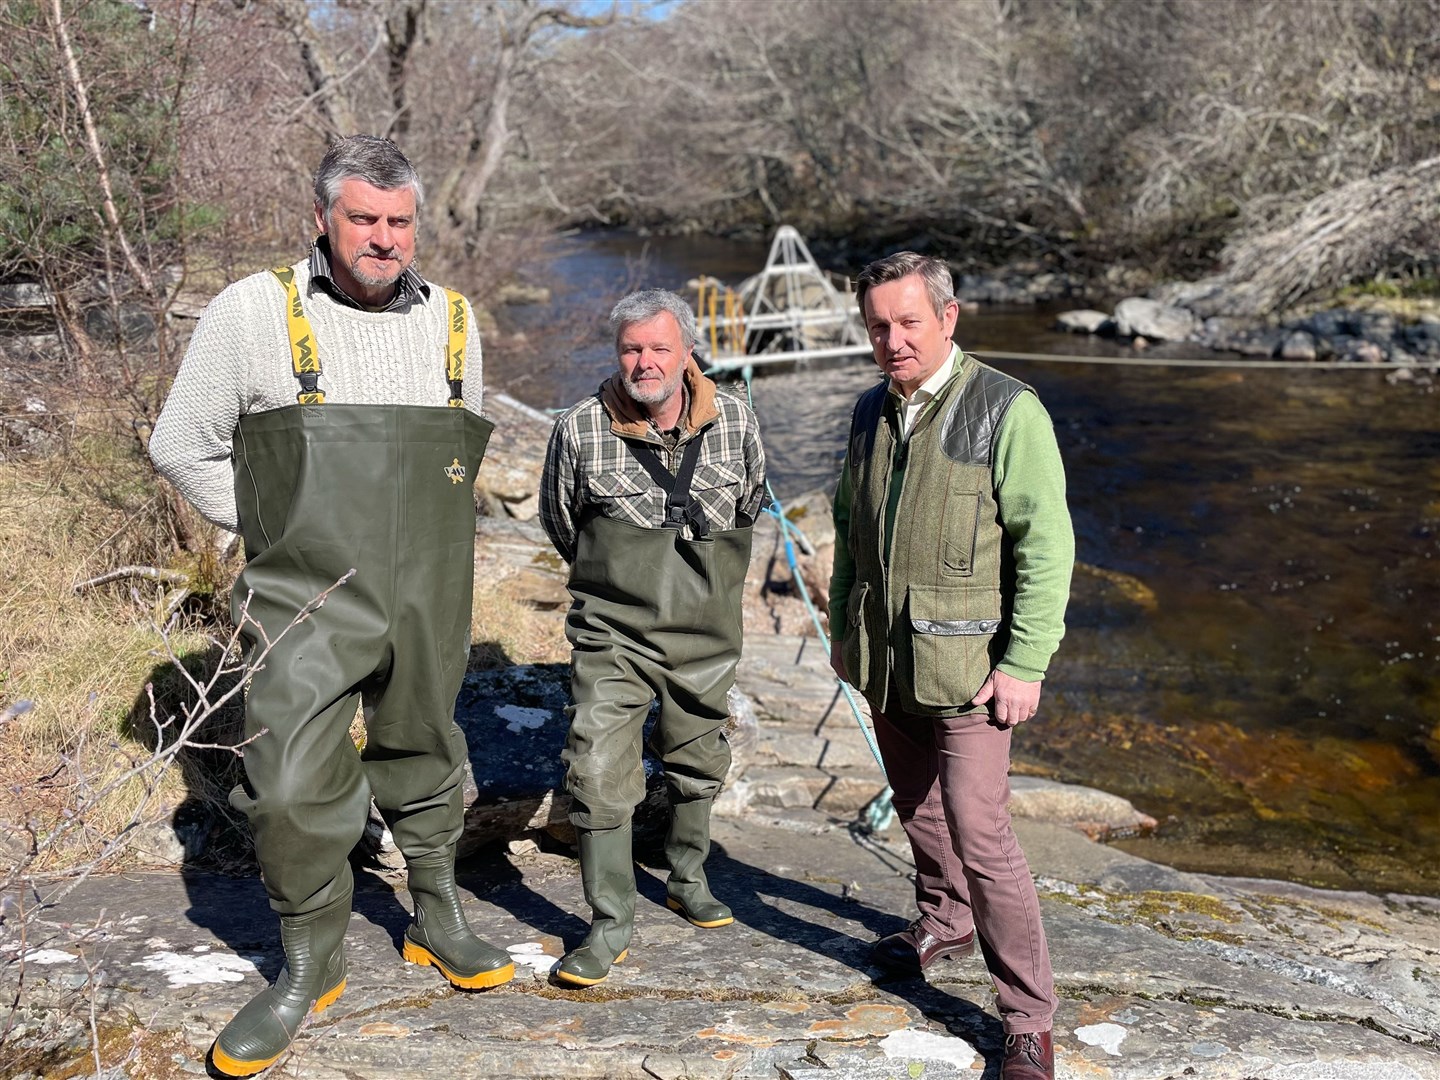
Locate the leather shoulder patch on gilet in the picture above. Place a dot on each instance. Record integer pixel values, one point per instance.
(968, 437)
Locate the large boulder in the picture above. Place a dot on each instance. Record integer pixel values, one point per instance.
(1298, 346)
(510, 475)
(1139, 317)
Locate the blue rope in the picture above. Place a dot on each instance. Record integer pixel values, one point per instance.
(879, 812)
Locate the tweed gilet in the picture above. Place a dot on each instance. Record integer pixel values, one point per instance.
(927, 619)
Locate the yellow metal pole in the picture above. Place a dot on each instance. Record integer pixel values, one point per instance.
(714, 330)
(739, 324)
(730, 320)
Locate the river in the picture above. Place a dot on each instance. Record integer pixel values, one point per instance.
(1253, 653)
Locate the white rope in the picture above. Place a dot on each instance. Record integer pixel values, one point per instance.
(1161, 361)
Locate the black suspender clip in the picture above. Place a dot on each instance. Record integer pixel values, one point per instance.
(681, 508)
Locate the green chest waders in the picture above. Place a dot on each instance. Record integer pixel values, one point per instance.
(383, 490)
(654, 615)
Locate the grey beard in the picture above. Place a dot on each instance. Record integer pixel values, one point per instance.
(374, 281)
(647, 393)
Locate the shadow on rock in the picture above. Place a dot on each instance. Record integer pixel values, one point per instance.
(202, 832)
(759, 898)
(495, 879)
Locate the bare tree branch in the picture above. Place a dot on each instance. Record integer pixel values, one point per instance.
(92, 140)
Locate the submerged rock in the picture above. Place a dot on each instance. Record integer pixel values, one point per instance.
(1098, 814)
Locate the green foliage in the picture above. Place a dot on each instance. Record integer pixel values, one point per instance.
(52, 221)
(1390, 288)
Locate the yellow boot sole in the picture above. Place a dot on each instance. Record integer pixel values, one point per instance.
(676, 905)
(580, 980)
(416, 954)
(224, 1063)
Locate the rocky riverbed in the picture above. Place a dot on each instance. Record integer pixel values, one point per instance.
(1340, 335)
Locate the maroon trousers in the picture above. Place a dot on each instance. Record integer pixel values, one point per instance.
(950, 778)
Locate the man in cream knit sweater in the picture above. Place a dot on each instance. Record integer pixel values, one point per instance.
(330, 412)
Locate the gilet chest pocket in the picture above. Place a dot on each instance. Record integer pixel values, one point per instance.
(962, 527)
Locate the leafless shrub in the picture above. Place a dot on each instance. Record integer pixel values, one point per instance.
(1349, 233)
(26, 892)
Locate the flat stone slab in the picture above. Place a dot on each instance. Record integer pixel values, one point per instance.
(1160, 974)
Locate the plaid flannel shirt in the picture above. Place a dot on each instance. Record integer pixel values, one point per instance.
(589, 470)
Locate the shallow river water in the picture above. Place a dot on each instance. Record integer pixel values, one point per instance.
(1253, 653)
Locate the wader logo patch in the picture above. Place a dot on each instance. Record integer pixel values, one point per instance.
(455, 471)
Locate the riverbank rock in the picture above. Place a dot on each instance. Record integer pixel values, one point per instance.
(1298, 346)
(1018, 283)
(509, 478)
(777, 603)
(1349, 336)
(24, 295)
(1084, 321)
(1138, 317)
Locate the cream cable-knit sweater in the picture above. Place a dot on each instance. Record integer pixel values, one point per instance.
(238, 362)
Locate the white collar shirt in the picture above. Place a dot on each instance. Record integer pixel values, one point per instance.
(925, 393)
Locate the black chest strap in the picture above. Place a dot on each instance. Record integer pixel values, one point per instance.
(681, 508)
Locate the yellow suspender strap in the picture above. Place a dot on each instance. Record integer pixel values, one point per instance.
(455, 349)
(304, 357)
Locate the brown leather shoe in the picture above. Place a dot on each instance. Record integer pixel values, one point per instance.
(912, 950)
(1028, 1057)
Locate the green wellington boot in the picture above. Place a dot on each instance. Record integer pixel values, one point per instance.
(687, 843)
(607, 869)
(311, 980)
(440, 935)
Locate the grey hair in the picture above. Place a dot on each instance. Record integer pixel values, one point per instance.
(939, 283)
(643, 306)
(370, 158)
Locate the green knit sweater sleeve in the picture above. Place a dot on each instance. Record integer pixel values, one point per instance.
(1030, 490)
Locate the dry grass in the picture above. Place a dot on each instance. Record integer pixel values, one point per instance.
(506, 628)
(81, 660)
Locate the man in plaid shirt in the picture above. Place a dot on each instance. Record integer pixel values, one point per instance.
(649, 492)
